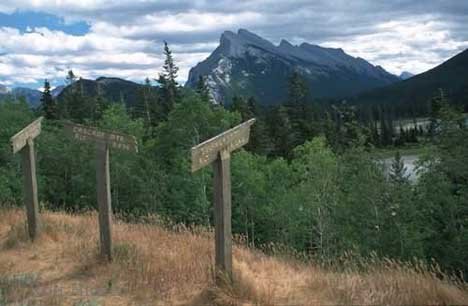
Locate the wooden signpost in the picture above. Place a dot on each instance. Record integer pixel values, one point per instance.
(103, 141)
(217, 150)
(24, 141)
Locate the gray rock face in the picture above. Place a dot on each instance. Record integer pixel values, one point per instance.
(246, 64)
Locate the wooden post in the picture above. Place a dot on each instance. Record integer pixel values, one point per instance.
(104, 200)
(24, 141)
(222, 213)
(30, 189)
(103, 141)
(217, 150)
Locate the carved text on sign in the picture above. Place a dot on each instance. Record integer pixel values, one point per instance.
(206, 152)
(113, 139)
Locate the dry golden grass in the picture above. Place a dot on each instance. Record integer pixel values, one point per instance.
(155, 266)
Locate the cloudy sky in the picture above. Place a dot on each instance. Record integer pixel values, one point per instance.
(44, 38)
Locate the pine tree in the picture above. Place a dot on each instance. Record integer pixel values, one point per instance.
(349, 133)
(254, 107)
(203, 90)
(398, 170)
(437, 103)
(70, 78)
(100, 104)
(240, 105)
(297, 89)
(296, 106)
(168, 83)
(281, 132)
(143, 107)
(79, 106)
(48, 104)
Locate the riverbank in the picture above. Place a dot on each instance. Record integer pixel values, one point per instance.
(408, 150)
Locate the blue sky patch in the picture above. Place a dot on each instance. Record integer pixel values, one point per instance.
(23, 19)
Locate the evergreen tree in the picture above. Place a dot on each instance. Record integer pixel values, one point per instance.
(349, 133)
(282, 132)
(70, 78)
(48, 104)
(240, 105)
(146, 106)
(297, 89)
(436, 104)
(202, 89)
(169, 86)
(398, 170)
(296, 106)
(254, 107)
(260, 141)
(78, 106)
(100, 104)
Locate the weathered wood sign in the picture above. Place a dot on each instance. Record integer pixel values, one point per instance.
(103, 141)
(91, 134)
(24, 141)
(217, 150)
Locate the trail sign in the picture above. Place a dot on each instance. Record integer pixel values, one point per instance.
(24, 141)
(91, 134)
(103, 141)
(217, 150)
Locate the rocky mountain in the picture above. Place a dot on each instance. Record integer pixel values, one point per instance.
(413, 94)
(406, 75)
(246, 64)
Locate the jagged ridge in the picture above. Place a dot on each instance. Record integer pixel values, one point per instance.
(246, 64)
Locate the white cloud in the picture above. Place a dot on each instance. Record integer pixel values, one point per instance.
(125, 38)
(32, 56)
(152, 25)
(415, 46)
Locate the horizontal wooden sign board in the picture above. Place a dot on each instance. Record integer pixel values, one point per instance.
(20, 139)
(206, 152)
(91, 134)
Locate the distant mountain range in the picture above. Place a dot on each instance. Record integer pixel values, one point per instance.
(415, 92)
(246, 64)
(113, 89)
(32, 96)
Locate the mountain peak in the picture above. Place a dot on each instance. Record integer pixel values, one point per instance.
(285, 43)
(247, 64)
(249, 35)
(406, 75)
(232, 44)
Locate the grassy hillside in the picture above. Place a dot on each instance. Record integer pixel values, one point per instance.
(159, 266)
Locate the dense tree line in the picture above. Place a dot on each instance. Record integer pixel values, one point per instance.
(300, 118)
(306, 180)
